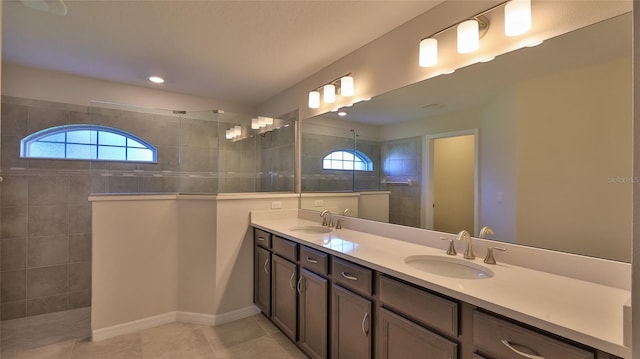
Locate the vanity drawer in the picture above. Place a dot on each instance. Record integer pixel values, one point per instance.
(351, 275)
(425, 308)
(262, 238)
(284, 247)
(314, 260)
(492, 336)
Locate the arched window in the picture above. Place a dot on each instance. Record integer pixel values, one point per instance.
(347, 160)
(87, 142)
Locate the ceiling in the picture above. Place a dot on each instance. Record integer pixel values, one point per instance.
(238, 51)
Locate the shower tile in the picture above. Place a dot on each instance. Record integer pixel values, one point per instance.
(13, 254)
(11, 153)
(79, 276)
(48, 221)
(14, 222)
(45, 305)
(122, 185)
(13, 310)
(77, 117)
(80, 299)
(14, 191)
(80, 247)
(13, 286)
(46, 281)
(80, 219)
(45, 117)
(46, 251)
(79, 187)
(14, 120)
(48, 190)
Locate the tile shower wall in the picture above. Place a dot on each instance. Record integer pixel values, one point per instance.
(315, 179)
(402, 160)
(45, 236)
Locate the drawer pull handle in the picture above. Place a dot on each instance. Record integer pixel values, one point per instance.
(311, 260)
(364, 320)
(349, 276)
(530, 356)
(292, 280)
(262, 239)
(299, 286)
(266, 265)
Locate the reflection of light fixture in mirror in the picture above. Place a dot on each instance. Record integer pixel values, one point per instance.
(237, 131)
(342, 113)
(314, 99)
(428, 52)
(255, 124)
(517, 17)
(346, 86)
(329, 93)
(228, 134)
(468, 36)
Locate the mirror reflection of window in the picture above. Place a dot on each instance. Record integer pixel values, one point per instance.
(348, 160)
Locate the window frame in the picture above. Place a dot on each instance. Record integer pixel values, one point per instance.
(368, 163)
(36, 137)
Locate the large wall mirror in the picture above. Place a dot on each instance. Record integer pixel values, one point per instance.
(536, 144)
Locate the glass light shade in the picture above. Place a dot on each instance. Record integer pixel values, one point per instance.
(468, 36)
(237, 131)
(314, 99)
(346, 86)
(254, 124)
(517, 17)
(228, 134)
(329, 93)
(428, 53)
(268, 121)
(262, 121)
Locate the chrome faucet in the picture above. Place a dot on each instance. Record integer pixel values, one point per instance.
(346, 212)
(468, 251)
(327, 222)
(485, 231)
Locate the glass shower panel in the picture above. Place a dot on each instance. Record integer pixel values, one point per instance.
(198, 151)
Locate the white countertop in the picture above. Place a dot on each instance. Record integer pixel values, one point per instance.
(579, 310)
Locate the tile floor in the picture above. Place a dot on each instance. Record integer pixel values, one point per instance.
(253, 337)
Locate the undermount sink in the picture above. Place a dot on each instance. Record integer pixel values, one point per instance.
(449, 267)
(311, 229)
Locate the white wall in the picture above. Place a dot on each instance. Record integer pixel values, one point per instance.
(27, 82)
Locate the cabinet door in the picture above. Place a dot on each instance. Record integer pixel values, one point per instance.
(284, 296)
(262, 280)
(400, 338)
(351, 325)
(313, 292)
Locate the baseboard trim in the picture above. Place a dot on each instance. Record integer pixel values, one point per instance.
(179, 316)
(133, 326)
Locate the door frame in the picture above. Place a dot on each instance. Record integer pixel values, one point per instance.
(426, 218)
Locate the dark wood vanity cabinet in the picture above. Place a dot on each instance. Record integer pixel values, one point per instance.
(351, 333)
(306, 292)
(313, 317)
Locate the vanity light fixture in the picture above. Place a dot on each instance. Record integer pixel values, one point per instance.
(255, 124)
(428, 52)
(314, 99)
(329, 94)
(517, 17)
(342, 86)
(468, 36)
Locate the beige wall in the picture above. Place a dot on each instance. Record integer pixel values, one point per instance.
(635, 285)
(373, 206)
(20, 81)
(134, 261)
(569, 189)
(334, 203)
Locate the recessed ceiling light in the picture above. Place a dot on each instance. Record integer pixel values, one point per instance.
(156, 79)
(342, 113)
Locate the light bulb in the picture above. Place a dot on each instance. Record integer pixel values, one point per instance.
(517, 17)
(428, 53)
(314, 99)
(468, 36)
(329, 93)
(346, 86)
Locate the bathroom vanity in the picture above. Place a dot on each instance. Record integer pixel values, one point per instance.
(343, 293)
